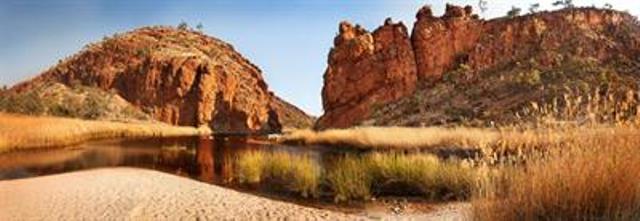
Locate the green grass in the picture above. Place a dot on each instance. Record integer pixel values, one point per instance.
(423, 174)
(250, 167)
(350, 179)
(293, 173)
(358, 177)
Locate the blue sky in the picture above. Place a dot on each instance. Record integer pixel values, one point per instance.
(288, 40)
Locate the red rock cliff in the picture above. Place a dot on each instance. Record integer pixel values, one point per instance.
(180, 77)
(366, 70)
(439, 42)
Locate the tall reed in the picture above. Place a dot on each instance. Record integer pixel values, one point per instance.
(593, 179)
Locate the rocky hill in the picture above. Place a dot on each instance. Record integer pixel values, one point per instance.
(459, 67)
(178, 76)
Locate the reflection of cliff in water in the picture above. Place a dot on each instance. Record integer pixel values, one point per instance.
(202, 158)
(215, 157)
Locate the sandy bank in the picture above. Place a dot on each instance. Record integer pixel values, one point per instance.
(136, 194)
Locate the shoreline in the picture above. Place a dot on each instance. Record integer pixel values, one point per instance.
(134, 194)
(125, 193)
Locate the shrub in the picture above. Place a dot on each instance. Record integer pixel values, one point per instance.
(530, 78)
(183, 26)
(514, 12)
(25, 103)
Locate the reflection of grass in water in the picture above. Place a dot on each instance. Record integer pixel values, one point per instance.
(356, 177)
(176, 148)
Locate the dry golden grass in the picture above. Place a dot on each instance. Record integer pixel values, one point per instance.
(491, 143)
(357, 177)
(26, 132)
(394, 137)
(594, 178)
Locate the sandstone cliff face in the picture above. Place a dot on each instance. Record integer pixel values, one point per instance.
(177, 76)
(366, 69)
(461, 43)
(439, 42)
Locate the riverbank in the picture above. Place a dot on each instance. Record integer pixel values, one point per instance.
(18, 132)
(136, 194)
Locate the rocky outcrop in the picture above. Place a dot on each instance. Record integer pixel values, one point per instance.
(178, 76)
(366, 71)
(439, 43)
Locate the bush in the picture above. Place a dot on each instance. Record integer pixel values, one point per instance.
(25, 103)
(514, 12)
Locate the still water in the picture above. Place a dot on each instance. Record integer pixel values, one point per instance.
(206, 159)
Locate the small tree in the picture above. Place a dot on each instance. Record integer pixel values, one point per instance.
(534, 8)
(183, 26)
(482, 5)
(199, 27)
(564, 3)
(569, 4)
(514, 12)
(608, 6)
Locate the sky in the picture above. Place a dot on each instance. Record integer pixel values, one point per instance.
(288, 40)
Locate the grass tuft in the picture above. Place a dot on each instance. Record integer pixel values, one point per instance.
(350, 179)
(281, 170)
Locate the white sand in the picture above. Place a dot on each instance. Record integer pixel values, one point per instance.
(137, 194)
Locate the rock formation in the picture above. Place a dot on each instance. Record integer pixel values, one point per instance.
(181, 77)
(440, 42)
(366, 71)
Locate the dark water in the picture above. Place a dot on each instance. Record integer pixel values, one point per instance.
(206, 159)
